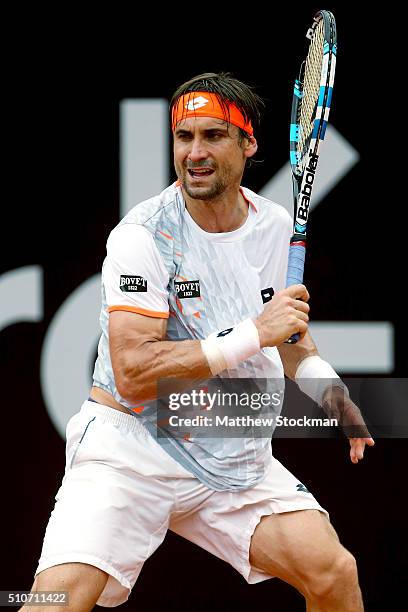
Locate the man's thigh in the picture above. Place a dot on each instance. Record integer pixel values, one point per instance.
(111, 510)
(224, 522)
(294, 546)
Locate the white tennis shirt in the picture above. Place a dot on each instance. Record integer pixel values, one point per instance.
(160, 263)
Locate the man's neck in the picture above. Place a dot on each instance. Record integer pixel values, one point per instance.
(224, 214)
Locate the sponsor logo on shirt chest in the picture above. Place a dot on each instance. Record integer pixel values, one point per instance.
(132, 283)
(267, 294)
(187, 289)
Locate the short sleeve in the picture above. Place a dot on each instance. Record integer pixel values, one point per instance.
(134, 275)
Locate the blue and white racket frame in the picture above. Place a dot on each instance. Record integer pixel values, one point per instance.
(304, 166)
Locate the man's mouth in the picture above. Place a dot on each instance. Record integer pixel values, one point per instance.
(200, 172)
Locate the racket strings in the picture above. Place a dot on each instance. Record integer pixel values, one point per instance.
(311, 88)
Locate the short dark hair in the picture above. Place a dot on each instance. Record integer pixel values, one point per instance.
(228, 90)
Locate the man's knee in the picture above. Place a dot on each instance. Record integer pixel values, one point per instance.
(84, 583)
(335, 574)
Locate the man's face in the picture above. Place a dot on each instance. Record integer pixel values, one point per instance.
(208, 156)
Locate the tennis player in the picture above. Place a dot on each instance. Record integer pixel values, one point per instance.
(193, 287)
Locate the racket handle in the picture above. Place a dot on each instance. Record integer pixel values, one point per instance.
(296, 266)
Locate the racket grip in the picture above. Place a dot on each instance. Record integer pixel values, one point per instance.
(296, 266)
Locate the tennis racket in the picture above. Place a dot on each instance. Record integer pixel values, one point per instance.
(312, 96)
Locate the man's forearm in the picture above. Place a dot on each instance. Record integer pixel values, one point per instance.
(137, 372)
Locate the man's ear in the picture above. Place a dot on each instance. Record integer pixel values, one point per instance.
(250, 146)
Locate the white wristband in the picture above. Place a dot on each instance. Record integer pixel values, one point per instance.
(226, 349)
(314, 376)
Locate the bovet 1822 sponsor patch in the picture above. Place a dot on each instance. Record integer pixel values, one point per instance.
(187, 289)
(132, 283)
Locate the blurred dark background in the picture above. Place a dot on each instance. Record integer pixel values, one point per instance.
(62, 197)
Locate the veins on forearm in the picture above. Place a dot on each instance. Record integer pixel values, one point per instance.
(175, 365)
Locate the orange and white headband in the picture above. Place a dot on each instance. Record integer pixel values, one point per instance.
(205, 104)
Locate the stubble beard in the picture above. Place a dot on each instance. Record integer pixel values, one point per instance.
(211, 192)
(221, 184)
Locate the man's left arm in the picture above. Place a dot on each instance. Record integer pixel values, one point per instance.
(303, 365)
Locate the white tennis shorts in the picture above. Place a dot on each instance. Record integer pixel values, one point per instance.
(121, 492)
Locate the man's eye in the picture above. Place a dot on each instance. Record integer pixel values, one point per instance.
(184, 136)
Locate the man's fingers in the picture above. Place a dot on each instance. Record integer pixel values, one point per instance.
(302, 328)
(299, 292)
(301, 306)
(303, 316)
(357, 448)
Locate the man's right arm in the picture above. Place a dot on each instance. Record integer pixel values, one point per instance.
(140, 356)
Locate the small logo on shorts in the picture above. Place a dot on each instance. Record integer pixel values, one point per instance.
(301, 487)
(132, 283)
(187, 289)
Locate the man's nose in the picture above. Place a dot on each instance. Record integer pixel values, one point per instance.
(198, 150)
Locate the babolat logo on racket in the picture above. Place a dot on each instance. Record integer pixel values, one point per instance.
(132, 283)
(307, 187)
(187, 289)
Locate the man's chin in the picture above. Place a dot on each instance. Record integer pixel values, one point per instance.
(198, 193)
(201, 192)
